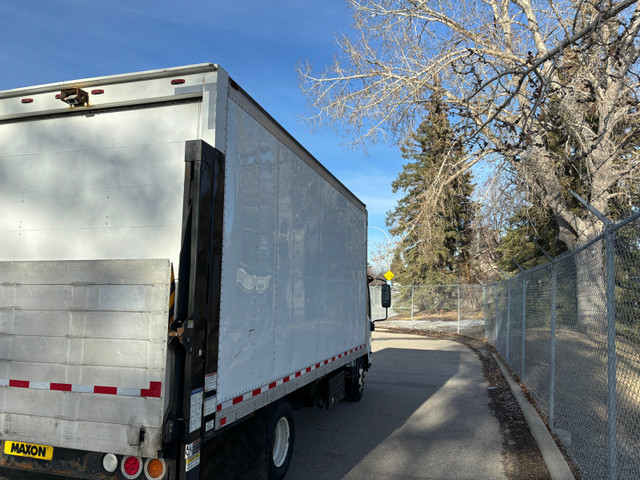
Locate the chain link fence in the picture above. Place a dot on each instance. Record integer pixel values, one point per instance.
(446, 308)
(570, 329)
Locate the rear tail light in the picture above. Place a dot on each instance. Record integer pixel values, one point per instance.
(177, 81)
(131, 467)
(155, 469)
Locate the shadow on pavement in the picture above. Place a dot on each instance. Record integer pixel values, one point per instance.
(424, 414)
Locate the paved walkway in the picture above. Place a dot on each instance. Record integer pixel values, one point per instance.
(424, 415)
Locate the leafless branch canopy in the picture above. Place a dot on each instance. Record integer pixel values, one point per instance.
(528, 84)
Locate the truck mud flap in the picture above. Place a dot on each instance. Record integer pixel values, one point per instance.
(335, 389)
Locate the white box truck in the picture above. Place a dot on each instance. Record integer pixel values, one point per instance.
(176, 274)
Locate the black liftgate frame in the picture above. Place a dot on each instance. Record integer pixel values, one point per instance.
(198, 307)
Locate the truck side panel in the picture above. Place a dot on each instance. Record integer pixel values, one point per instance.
(294, 257)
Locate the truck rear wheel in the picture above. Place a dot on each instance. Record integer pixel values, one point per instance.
(355, 382)
(281, 437)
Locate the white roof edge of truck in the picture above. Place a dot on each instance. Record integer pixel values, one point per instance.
(158, 74)
(110, 79)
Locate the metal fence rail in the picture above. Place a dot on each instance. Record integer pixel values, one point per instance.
(571, 330)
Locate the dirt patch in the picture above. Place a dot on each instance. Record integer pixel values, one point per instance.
(522, 458)
(443, 316)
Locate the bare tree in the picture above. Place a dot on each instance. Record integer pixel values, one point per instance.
(543, 88)
(380, 257)
(499, 199)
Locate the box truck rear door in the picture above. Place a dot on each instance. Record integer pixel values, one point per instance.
(89, 197)
(83, 347)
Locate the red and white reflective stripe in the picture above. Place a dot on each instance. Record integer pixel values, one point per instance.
(249, 395)
(154, 390)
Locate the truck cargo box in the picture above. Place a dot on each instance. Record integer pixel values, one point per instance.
(171, 262)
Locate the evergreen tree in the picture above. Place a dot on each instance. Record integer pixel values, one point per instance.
(527, 227)
(434, 249)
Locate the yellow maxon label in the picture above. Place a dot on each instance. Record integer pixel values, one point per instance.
(28, 450)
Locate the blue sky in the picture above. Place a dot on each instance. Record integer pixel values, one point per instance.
(257, 42)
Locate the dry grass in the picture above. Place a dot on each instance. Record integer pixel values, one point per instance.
(450, 316)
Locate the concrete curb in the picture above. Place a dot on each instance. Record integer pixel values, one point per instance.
(556, 463)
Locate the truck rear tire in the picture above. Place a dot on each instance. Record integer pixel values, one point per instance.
(355, 383)
(281, 438)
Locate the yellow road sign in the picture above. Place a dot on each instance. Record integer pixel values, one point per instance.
(389, 275)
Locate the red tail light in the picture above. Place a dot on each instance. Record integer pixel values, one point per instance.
(131, 467)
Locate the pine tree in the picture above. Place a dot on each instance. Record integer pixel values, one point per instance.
(434, 246)
(529, 227)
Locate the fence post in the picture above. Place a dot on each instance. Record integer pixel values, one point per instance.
(611, 352)
(495, 314)
(552, 347)
(523, 356)
(506, 356)
(458, 309)
(412, 290)
(508, 320)
(484, 310)
(611, 333)
(552, 341)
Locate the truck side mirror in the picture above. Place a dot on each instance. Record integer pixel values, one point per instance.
(386, 296)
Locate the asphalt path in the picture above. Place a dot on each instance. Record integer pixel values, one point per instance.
(424, 415)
